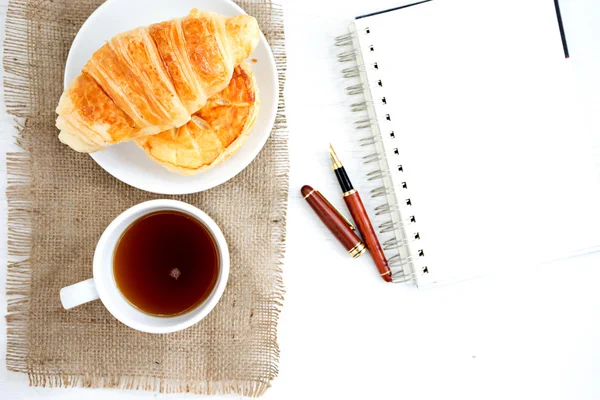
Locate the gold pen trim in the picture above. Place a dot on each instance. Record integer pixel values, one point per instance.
(338, 212)
(349, 192)
(358, 250)
(309, 194)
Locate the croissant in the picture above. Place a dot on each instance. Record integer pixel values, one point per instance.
(214, 133)
(152, 79)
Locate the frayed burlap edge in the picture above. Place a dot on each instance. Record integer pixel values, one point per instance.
(18, 99)
(245, 388)
(18, 191)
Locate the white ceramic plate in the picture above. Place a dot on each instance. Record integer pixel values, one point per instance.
(126, 161)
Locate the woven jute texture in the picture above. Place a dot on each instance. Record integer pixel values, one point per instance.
(61, 201)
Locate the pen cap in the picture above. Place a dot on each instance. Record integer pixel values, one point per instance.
(332, 219)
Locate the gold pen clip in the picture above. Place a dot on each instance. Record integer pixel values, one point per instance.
(337, 212)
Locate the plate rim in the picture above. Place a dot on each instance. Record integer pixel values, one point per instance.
(185, 189)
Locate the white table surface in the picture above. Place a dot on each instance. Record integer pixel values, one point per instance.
(344, 334)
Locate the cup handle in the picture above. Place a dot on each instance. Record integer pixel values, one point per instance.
(79, 293)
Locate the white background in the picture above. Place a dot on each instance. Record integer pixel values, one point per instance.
(343, 332)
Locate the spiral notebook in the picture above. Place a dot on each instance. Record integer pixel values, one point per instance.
(470, 118)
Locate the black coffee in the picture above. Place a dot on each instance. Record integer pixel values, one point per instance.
(166, 263)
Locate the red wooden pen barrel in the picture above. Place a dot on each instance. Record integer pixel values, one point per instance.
(361, 218)
(333, 221)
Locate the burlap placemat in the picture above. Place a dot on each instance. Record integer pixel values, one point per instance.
(61, 201)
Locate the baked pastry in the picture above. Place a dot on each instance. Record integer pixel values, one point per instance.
(214, 133)
(152, 79)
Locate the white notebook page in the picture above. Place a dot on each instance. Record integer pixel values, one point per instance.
(499, 169)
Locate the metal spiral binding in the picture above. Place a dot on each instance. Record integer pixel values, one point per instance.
(363, 123)
(352, 72)
(386, 209)
(398, 260)
(358, 107)
(354, 89)
(401, 258)
(377, 174)
(367, 141)
(380, 191)
(347, 56)
(395, 243)
(344, 40)
(371, 158)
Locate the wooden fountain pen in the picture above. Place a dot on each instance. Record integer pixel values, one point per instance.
(335, 221)
(360, 217)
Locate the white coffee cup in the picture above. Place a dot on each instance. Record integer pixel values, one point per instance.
(103, 286)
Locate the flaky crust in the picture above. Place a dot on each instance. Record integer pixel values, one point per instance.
(214, 133)
(152, 79)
